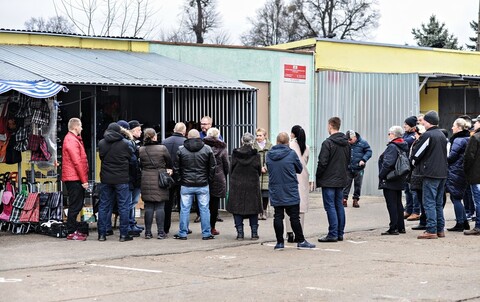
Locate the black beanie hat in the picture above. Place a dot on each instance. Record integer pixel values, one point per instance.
(411, 121)
(432, 117)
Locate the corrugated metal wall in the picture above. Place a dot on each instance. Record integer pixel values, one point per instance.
(369, 103)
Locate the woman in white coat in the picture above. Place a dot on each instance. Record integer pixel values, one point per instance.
(298, 144)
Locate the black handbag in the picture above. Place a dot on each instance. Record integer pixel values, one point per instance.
(165, 181)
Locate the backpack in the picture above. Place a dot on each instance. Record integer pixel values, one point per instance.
(402, 166)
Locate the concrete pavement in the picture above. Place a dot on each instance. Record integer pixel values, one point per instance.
(364, 267)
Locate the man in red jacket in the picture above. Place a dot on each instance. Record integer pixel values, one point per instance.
(74, 175)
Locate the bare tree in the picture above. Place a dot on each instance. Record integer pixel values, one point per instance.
(337, 18)
(58, 24)
(109, 17)
(201, 17)
(274, 23)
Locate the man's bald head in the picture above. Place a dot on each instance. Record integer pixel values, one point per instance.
(283, 138)
(193, 133)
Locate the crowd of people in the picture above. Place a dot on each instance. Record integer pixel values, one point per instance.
(261, 173)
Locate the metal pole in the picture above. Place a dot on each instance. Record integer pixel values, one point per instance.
(94, 135)
(162, 112)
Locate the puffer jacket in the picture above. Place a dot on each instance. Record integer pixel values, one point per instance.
(196, 163)
(115, 153)
(456, 182)
(173, 143)
(244, 196)
(333, 161)
(359, 151)
(430, 154)
(154, 158)
(74, 159)
(283, 164)
(386, 164)
(218, 187)
(472, 159)
(263, 153)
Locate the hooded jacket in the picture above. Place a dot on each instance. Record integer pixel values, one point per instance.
(196, 163)
(218, 187)
(386, 164)
(333, 162)
(115, 153)
(283, 165)
(244, 196)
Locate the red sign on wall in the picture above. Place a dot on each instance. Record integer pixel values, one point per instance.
(295, 72)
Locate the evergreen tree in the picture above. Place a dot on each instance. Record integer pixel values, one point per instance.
(474, 26)
(435, 35)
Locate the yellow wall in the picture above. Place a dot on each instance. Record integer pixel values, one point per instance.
(73, 41)
(428, 100)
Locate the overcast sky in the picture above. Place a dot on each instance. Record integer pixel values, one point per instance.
(396, 22)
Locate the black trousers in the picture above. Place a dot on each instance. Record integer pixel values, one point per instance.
(294, 213)
(173, 201)
(393, 199)
(76, 194)
(213, 206)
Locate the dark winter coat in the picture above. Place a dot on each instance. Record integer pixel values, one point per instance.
(409, 138)
(173, 143)
(456, 182)
(115, 154)
(472, 159)
(196, 163)
(333, 162)
(430, 154)
(283, 165)
(415, 179)
(157, 159)
(359, 151)
(386, 164)
(244, 196)
(263, 153)
(135, 170)
(218, 187)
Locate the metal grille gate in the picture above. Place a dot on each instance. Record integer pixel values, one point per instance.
(234, 112)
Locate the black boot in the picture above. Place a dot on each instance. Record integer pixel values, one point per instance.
(290, 237)
(254, 232)
(457, 228)
(240, 232)
(466, 225)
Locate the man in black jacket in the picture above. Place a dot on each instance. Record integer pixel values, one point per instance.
(332, 176)
(173, 143)
(195, 170)
(430, 155)
(115, 154)
(471, 166)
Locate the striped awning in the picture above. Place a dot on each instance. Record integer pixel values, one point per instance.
(34, 89)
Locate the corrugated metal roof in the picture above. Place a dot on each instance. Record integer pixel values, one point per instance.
(13, 73)
(109, 67)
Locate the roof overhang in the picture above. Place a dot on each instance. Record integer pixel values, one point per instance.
(76, 66)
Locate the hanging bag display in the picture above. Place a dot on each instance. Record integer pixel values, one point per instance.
(31, 209)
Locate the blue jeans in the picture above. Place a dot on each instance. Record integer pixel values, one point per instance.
(186, 198)
(107, 197)
(135, 197)
(412, 205)
(332, 202)
(357, 179)
(460, 215)
(476, 200)
(433, 190)
(468, 202)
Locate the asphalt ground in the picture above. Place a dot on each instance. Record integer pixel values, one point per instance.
(364, 267)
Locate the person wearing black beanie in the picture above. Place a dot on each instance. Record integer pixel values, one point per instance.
(412, 204)
(411, 121)
(432, 118)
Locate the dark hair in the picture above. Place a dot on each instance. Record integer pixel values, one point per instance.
(335, 122)
(300, 136)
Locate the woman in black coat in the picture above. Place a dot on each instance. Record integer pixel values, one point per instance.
(244, 198)
(154, 158)
(392, 189)
(218, 187)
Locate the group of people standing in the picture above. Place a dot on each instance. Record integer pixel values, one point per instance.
(438, 165)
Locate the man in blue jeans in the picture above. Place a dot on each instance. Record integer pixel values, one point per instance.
(196, 169)
(430, 156)
(332, 177)
(115, 154)
(472, 172)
